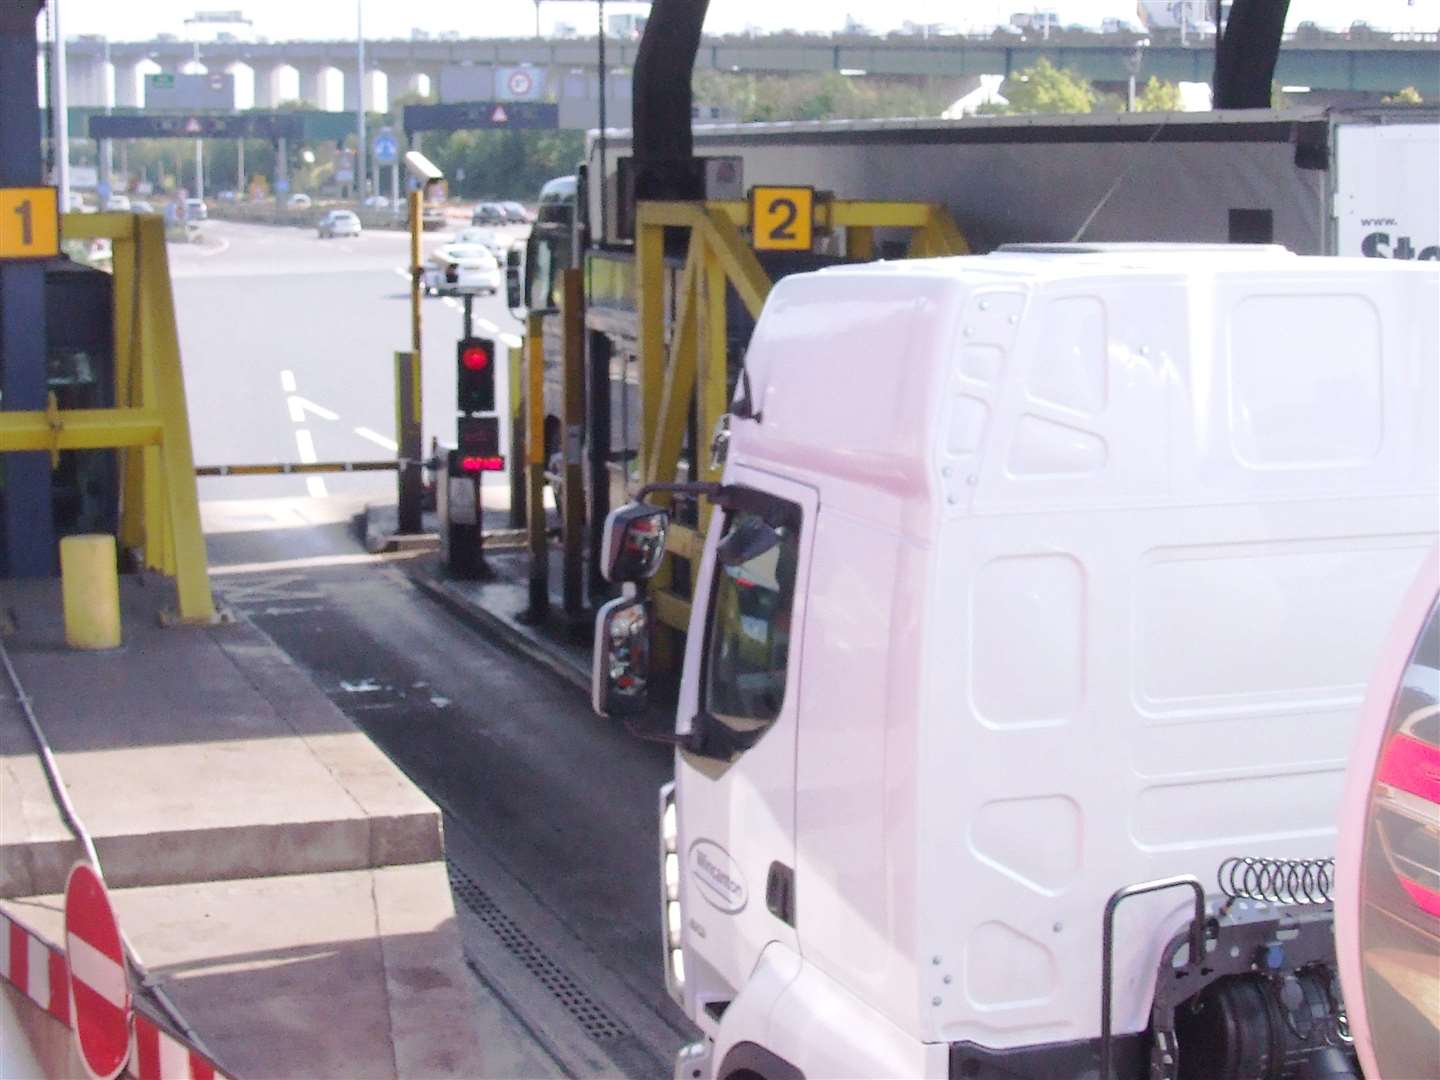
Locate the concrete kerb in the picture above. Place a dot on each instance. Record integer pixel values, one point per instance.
(521, 640)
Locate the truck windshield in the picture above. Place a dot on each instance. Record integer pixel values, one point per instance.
(748, 644)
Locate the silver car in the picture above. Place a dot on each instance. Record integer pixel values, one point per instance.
(338, 223)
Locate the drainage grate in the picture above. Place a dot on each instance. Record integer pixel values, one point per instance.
(591, 1015)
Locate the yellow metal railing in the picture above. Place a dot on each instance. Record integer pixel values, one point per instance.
(691, 373)
(159, 506)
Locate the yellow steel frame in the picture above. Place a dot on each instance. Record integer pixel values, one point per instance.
(689, 372)
(159, 506)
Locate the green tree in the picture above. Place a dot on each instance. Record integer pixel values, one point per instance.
(829, 96)
(1044, 88)
(1158, 96)
(1407, 96)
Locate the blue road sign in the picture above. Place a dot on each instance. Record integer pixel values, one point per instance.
(387, 150)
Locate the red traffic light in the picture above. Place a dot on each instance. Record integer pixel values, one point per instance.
(488, 463)
(475, 357)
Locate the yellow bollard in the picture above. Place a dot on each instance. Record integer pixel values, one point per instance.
(90, 588)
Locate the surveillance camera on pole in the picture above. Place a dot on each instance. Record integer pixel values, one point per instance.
(422, 168)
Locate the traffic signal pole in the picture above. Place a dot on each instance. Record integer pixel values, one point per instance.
(27, 529)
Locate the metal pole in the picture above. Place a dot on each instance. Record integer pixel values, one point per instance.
(107, 146)
(409, 430)
(200, 168)
(417, 198)
(409, 440)
(535, 466)
(28, 526)
(240, 168)
(573, 515)
(360, 160)
(59, 117)
(600, 145)
(395, 187)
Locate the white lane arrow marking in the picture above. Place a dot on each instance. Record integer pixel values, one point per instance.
(287, 381)
(378, 439)
(299, 406)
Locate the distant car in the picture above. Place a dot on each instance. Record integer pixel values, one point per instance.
(378, 202)
(461, 268)
(516, 214)
(492, 241)
(298, 201)
(140, 206)
(488, 213)
(118, 204)
(228, 196)
(196, 210)
(432, 216)
(338, 223)
(76, 203)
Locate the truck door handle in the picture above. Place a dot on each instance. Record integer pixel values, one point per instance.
(780, 892)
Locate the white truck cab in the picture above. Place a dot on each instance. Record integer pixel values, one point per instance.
(1026, 649)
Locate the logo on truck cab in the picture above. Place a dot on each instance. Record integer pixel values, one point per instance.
(717, 876)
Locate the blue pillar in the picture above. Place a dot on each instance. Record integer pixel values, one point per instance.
(27, 526)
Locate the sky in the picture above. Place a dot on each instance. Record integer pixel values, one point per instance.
(336, 19)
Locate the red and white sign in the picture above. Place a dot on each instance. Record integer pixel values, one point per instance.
(520, 83)
(99, 985)
(499, 116)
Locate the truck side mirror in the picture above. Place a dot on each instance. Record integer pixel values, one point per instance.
(514, 282)
(620, 679)
(633, 542)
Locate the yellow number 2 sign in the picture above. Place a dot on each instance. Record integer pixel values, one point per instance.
(782, 218)
(29, 223)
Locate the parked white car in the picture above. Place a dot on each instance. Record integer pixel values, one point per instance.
(462, 268)
(118, 204)
(298, 201)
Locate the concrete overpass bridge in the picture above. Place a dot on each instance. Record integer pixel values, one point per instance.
(323, 72)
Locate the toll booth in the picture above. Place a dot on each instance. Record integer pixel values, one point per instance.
(80, 372)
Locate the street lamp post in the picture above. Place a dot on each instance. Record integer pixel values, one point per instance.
(360, 167)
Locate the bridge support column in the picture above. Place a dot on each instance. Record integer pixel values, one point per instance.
(312, 86)
(265, 85)
(86, 82)
(127, 85)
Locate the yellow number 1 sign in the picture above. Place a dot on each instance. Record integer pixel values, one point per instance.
(782, 218)
(29, 223)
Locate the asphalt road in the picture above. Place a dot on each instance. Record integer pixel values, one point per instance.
(288, 343)
(550, 813)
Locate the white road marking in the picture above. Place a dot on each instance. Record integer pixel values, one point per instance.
(96, 970)
(512, 341)
(377, 439)
(299, 406)
(402, 272)
(306, 444)
(306, 562)
(486, 326)
(450, 301)
(287, 381)
(315, 485)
